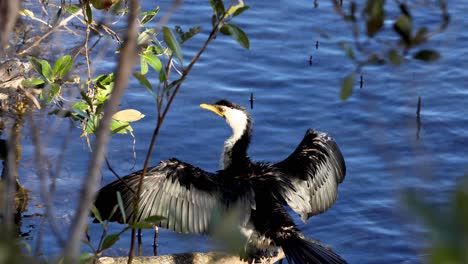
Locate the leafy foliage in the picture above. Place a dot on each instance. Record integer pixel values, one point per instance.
(384, 49)
(447, 225)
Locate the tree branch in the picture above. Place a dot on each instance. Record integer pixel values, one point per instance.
(125, 64)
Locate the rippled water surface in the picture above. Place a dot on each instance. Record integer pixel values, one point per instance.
(376, 128)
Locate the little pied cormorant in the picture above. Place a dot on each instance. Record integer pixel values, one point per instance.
(185, 195)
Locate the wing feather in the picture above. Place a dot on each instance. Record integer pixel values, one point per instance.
(315, 169)
(181, 193)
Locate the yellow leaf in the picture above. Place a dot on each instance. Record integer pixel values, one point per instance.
(26, 12)
(233, 8)
(128, 115)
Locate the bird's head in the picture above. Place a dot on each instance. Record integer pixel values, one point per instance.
(235, 115)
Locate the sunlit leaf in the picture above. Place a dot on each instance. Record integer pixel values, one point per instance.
(92, 124)
(240, 10)
(53, 91)
(42, 67)
(143, 66)
(82, 106)
(96, 213)
(62, 66)
(347, 86)
(128, 115)
(121, 207)
(152, 60)
(26, 12)
(427, 55)
(72, 8)
(110, 240)
(33, 82)
(120, 127)
(237, 34)
(149, 15)
(146, 37)
(234, 8)
(86, 257)
(172, 43)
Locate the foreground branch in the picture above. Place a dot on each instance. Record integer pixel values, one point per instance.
(125, 64)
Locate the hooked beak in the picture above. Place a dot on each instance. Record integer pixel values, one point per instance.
(212, 108)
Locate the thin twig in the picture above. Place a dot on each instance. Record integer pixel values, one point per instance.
(160, 121)
(52, 30)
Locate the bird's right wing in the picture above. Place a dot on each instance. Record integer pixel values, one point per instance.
(184, 195)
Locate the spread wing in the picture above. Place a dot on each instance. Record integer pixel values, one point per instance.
(181, 193)
(315, 169)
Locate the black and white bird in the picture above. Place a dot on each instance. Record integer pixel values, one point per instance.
(185, 195)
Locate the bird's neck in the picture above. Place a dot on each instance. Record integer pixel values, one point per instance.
(235, 147)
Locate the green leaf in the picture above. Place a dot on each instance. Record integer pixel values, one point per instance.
(89, 13)
(51, 92)
(110, 240)
(427, 55)
(92, 124)
(395, 58)
(184, 36)
(121, 206)
(86, 257)
(42, 67)
(162, 76)
(240, 10)
(62, 66)
(374, 10)
(143, 66)
(218, 7)
(403, 27)
(347, 86)
(141, 225)
(172, 43)
(149, 15)
(154, 219)
(421, 36)
(120, 127)
(146, 37)
(152, 60)
(72, 8)
(82, 106)
(143, 81)
(96, 214)
(236, 33)
(33, 82)
(349, 51)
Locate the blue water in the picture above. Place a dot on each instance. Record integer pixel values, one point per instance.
(376, 128)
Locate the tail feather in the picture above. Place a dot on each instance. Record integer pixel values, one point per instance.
(302, 251)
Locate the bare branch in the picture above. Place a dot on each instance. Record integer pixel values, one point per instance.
(125, 64)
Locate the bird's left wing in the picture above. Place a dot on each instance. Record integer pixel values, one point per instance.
(315, 169)
(184, 195)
